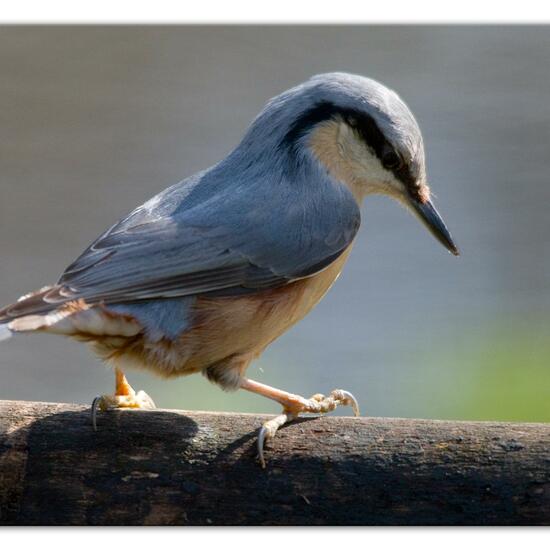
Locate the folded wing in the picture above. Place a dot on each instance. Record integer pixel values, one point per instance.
(205, 235)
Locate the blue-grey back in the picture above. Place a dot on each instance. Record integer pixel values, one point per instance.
(257, 219)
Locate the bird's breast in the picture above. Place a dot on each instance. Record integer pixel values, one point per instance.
(248, 323)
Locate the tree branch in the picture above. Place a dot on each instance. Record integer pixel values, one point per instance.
(197, 468)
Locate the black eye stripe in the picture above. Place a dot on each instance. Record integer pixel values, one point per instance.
(362, 123)
(365, 125)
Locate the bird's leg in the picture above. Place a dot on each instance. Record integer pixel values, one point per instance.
(293, 406)
(124, 397)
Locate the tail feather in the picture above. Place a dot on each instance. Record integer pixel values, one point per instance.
(35, 312)
(33, 303)
(5, 333)
(49, 310)
(30, 312)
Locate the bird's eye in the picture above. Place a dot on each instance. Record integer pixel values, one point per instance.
(391, 160)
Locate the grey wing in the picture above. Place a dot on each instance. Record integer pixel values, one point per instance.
(199, 237)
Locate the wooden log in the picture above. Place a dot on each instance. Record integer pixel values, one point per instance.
(195, 468)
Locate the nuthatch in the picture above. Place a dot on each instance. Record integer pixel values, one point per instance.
(206, 274)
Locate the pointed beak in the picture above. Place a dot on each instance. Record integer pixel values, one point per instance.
(432, 220)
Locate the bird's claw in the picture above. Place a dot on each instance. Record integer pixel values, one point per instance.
(343, 397)
(139, 400)
(317, 403)
(268, 431)
(95, 404)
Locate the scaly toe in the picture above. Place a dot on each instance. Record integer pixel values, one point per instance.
(144, 401)
(101, 403)
(344, 397)
(139, 400)
(317, 403)
(322, 404)
(268, 431)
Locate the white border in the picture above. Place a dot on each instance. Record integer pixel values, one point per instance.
(295, 538)
(274, 11)
(280, 12)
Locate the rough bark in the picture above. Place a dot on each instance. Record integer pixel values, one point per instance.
(196, 468)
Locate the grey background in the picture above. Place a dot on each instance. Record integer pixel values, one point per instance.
(95, 120)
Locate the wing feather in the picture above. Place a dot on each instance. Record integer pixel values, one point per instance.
(207, 235)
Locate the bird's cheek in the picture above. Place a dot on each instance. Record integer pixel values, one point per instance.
(379, 186)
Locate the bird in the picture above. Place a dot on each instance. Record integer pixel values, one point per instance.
(205, 275)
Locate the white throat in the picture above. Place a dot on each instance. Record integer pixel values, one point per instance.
(348, 159)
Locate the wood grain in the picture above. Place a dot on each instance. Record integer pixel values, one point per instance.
(197, 468)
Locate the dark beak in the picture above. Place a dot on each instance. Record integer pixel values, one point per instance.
(433, 221)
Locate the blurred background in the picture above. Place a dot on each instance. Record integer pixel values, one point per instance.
(95, 120)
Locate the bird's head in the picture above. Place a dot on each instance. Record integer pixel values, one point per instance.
(363, 134)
